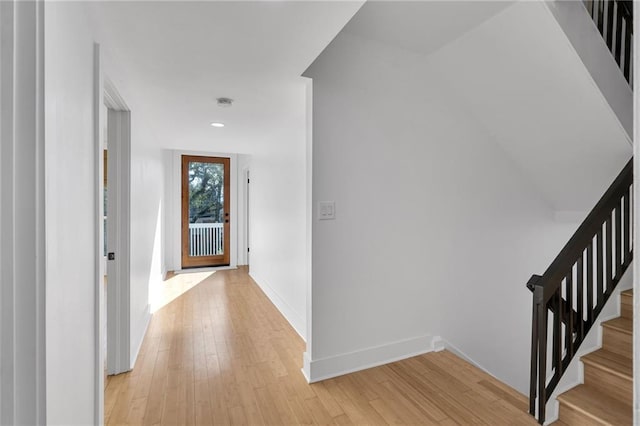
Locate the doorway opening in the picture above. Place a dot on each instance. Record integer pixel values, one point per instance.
(205, 211)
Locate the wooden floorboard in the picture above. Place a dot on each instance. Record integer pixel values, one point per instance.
(221, 353)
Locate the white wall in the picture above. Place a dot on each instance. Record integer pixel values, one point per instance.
(436, 230)
(71, 176)
(70, 192)
(146, 229)
(277, 218)
(147, 190)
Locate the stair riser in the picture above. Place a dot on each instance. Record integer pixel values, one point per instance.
(626, 306)
(617, 342)
(609, 384)
(573, 417)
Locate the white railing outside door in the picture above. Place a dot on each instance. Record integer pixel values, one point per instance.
(206, 239)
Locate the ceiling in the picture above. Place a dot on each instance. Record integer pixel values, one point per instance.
(421, 26)
(181, 56)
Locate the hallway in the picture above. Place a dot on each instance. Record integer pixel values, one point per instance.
(222, 354)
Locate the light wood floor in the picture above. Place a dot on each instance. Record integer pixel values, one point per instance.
(222, 354)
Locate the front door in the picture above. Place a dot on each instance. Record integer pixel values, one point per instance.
(205, 211)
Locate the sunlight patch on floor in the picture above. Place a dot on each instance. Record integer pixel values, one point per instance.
(174, 286)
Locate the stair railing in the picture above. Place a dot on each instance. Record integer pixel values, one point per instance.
(614, 19)
(571, 293)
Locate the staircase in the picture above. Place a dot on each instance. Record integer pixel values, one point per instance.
(567, 300)
(606, 396)
(572, 293)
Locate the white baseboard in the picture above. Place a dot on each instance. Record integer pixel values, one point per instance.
(295, 319)
(338, 365)
(205, 269)
(441, 344)
(138, 342)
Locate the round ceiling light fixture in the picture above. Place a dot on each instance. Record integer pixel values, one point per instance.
(217, 124)
(224, 102)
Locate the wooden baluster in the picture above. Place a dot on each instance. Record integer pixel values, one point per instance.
(590, 283)
(627, 231)
(580, 298)
(557, 332)
(600, 16)
(568, 330)
(618, 47)
(599, 268)
(534, 359)
(542, 361)
(627, 47)
(609, 254)
(631, 213)
(618, 244)
(609, 39)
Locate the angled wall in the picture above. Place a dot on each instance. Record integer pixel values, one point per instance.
(427, 206)
(583, 35)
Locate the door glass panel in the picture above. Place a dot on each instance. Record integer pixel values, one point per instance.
(206, 209)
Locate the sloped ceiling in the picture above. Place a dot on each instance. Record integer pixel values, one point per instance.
(510, 66)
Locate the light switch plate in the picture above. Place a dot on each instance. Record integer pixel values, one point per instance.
(327, 210)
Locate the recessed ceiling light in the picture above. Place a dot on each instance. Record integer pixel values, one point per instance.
(216, 124)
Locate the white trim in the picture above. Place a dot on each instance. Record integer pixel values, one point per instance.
(100, 267)
(293, 317)
(636, 228)
(112, 98)
(338, 365)
(244, 256)
(309, 216)
(205, 269)
(441, 344)
(23, 222)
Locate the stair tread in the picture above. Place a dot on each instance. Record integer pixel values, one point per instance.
(628, 292)
(614, 363)
(624, 325)
(593, 403)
